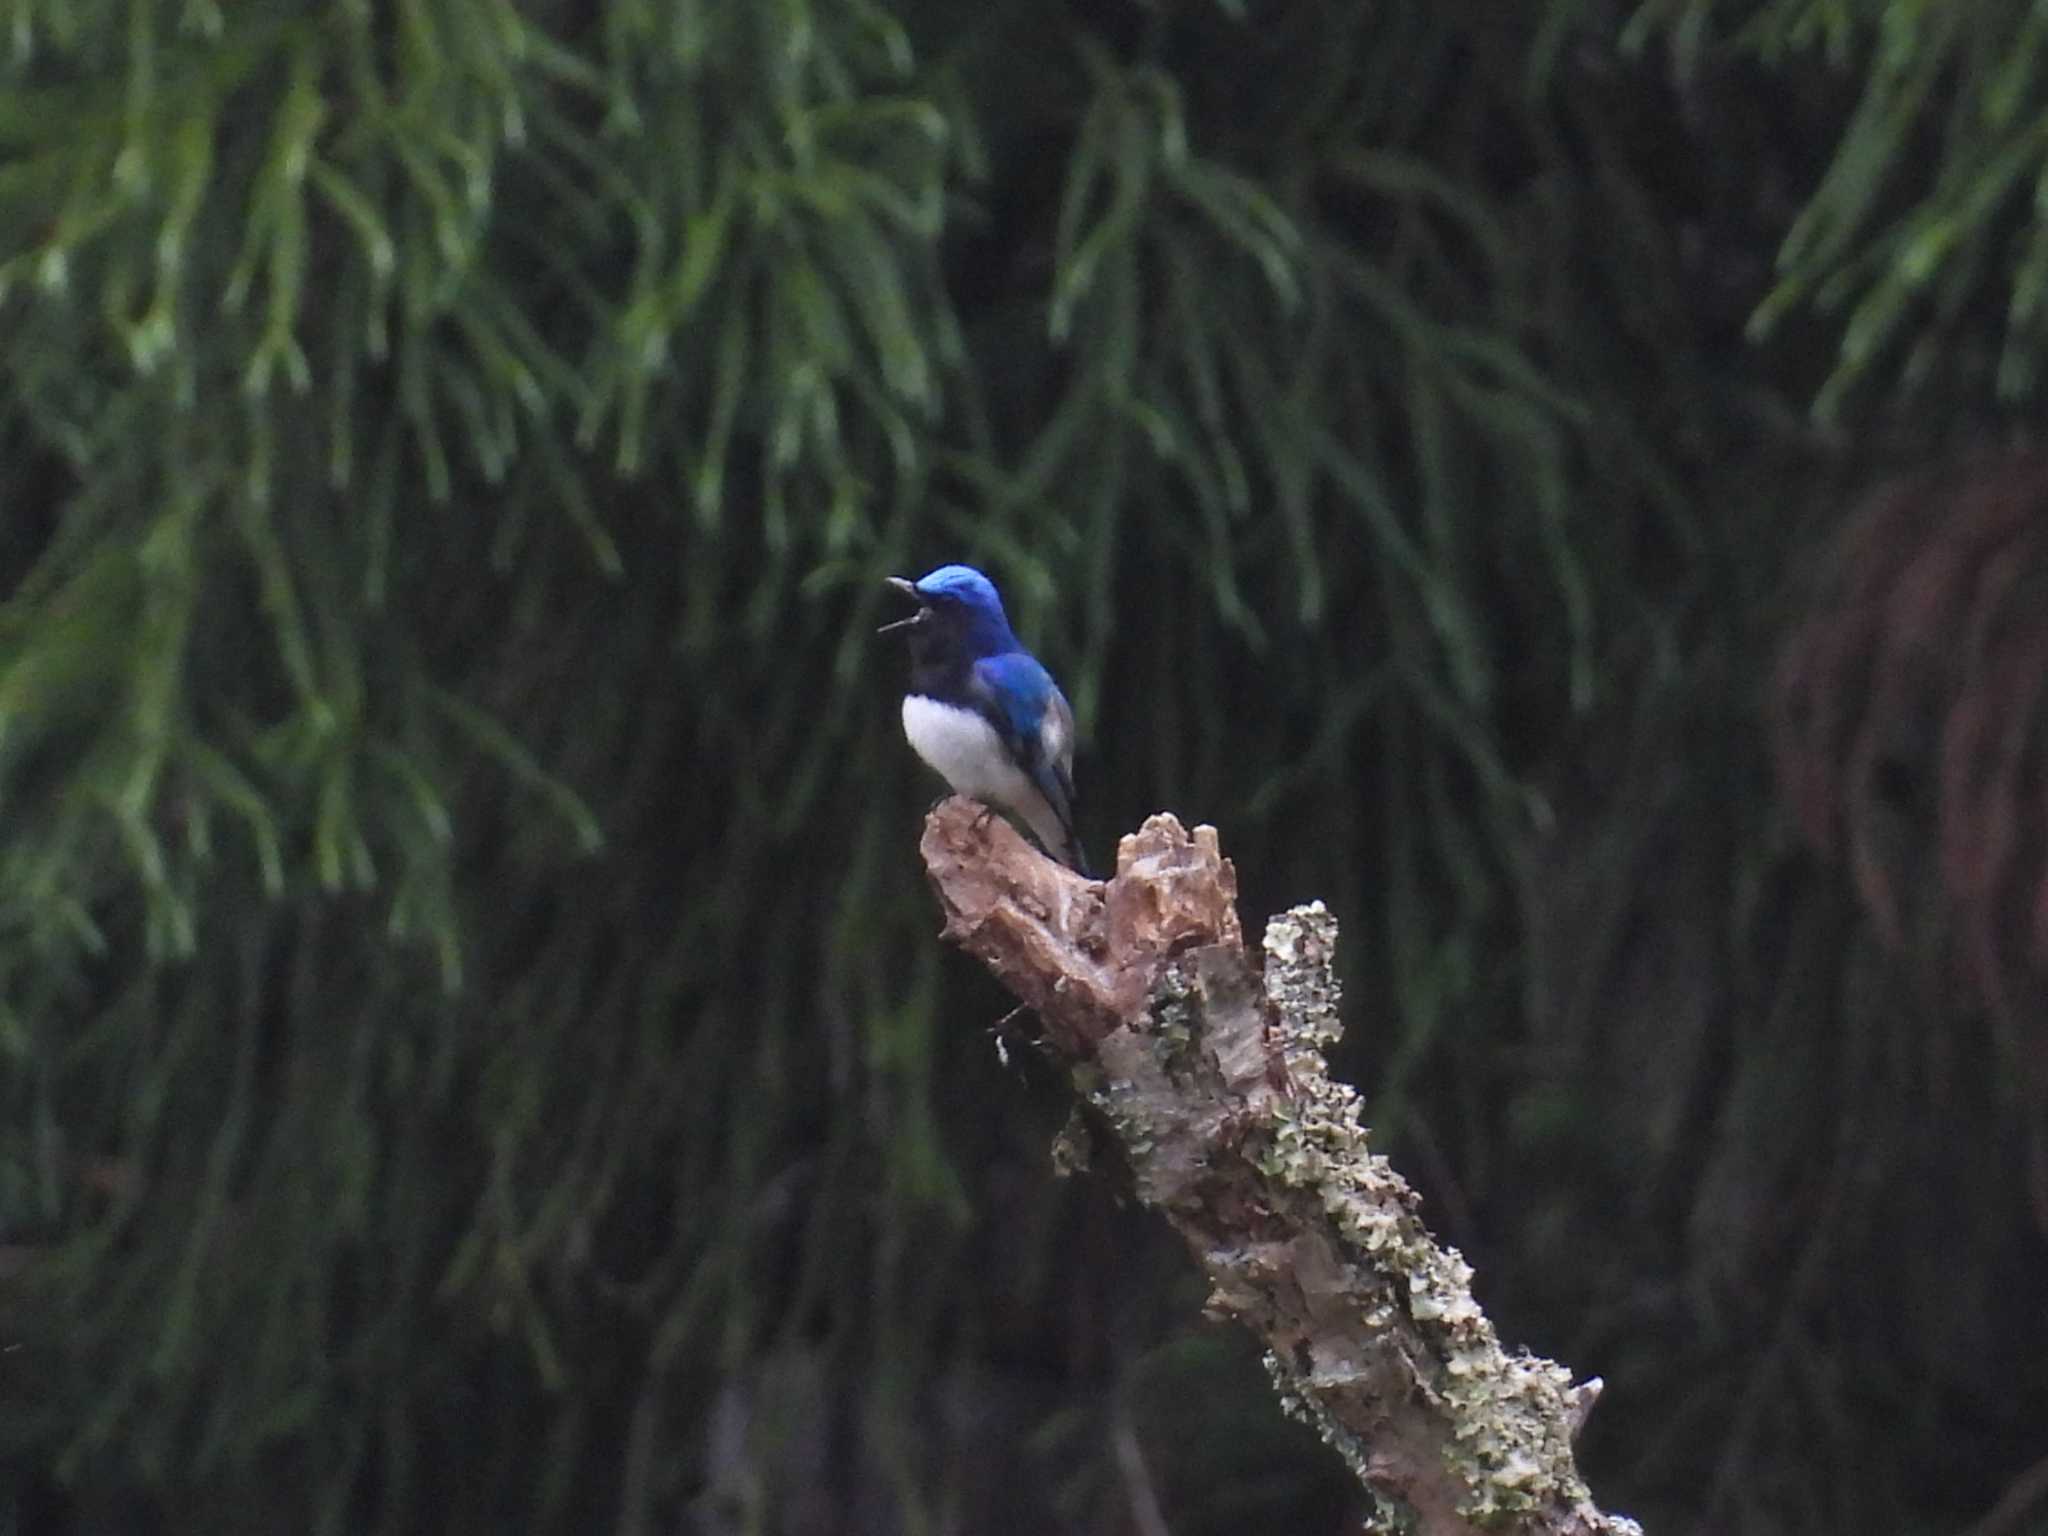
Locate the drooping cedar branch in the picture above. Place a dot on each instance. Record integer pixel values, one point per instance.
(1210, 1069)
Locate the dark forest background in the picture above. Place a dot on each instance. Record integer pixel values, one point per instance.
(1550, 480)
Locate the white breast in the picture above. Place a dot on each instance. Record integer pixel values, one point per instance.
(966, 751)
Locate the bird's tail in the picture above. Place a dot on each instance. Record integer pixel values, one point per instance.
(1055, 834)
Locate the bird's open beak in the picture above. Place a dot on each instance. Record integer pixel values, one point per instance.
(909, 590)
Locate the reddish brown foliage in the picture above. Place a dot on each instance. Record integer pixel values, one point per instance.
(1911, 735)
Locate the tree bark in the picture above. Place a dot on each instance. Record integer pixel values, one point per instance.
(1209, 1068)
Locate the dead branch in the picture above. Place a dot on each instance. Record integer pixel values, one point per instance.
(1210, 1070)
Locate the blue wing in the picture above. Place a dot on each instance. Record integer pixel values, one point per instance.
(1019, 698)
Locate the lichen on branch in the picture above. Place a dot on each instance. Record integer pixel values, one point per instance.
(1210, 1071)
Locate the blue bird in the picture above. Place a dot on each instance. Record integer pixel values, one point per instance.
(983, 712)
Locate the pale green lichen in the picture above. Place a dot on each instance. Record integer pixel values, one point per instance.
(1510, 1416)
(1307, 1408)
(1073, 1150)
(1300, 983)
(1127, 1111)
(1174, 1018)
(1510, 1439)
(1504, 1422)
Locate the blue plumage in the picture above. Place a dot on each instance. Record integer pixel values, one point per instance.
(983, 712)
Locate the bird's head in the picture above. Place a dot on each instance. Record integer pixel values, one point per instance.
(958, 605)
